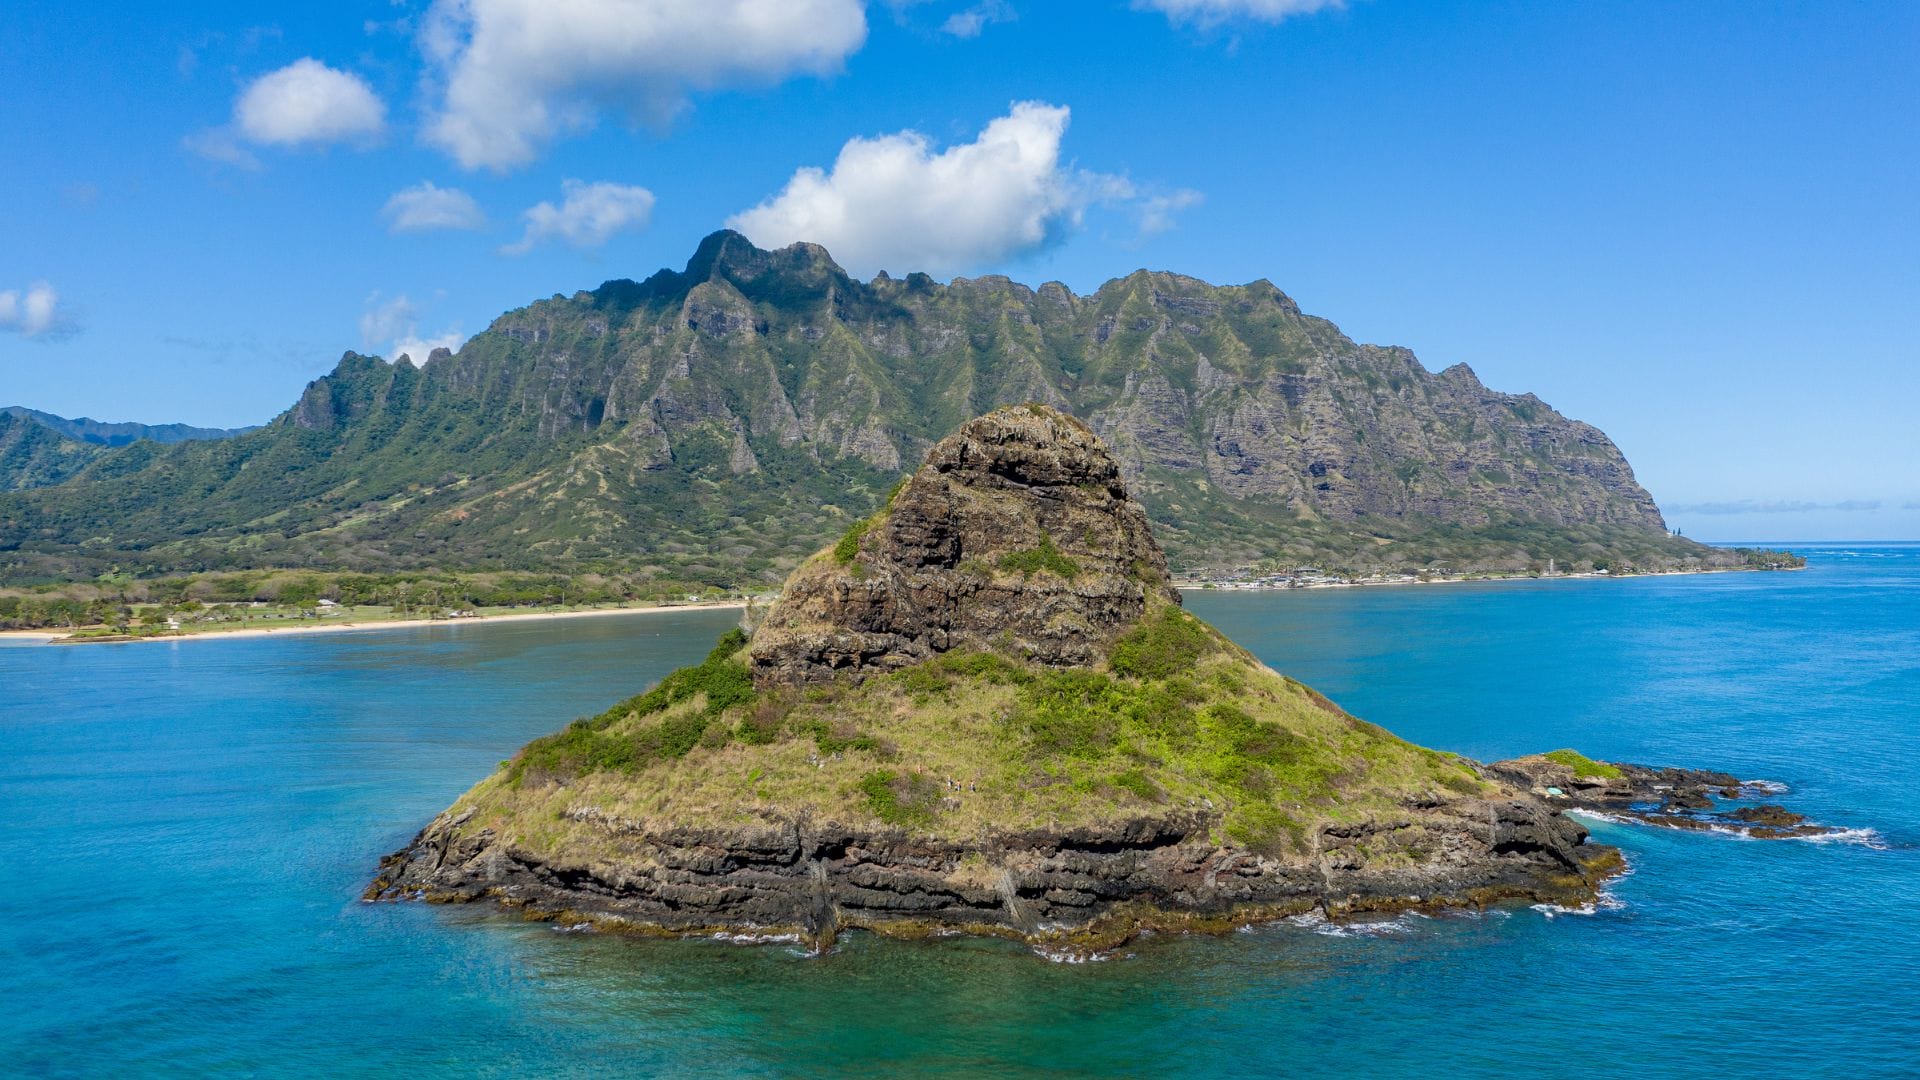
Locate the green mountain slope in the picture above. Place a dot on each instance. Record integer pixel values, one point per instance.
(718, 423)
(34, 455)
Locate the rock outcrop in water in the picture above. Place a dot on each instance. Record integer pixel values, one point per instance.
(984, 711)
(1672, 798)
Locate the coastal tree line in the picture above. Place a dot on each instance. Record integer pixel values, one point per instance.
(116, 600)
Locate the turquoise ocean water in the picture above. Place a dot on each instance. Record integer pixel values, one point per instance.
(185, 829)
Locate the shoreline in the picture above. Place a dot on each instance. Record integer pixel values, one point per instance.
(49, 637)
(1218, 585)
(54, 637)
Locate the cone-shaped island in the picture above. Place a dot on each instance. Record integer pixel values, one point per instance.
(983, 710)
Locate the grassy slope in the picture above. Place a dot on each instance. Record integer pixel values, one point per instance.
(1178, 719)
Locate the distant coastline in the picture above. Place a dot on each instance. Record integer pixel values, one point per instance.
(1269, 583)
(1282, 582)
(51, 637)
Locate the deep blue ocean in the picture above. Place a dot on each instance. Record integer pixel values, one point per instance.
(185, 829)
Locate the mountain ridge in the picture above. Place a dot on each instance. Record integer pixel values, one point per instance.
(715, 423)
(121, 433)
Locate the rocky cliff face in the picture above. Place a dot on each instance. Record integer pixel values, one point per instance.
(984, 711)
(1016, 534)
(719, 422)
(1076, 891)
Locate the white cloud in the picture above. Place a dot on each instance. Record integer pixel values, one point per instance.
(218, 145)
(1214, 12)
(396, 323)
(305, 103)
(386, 320)
(515, 74)
(309, 103)
(1153, 214)
(35, 313)
(419, 349)
(588, 215)
(969, 23)
(425, 207)
(893, 203)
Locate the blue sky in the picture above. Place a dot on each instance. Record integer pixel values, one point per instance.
(1695, 225)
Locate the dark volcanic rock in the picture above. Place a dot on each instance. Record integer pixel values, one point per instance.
(1016, 534)
(818, 878)
(1668, 797)
(1768, 814)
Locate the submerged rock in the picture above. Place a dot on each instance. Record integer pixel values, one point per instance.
(1672, 798)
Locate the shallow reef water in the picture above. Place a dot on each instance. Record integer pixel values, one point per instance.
(190, 824)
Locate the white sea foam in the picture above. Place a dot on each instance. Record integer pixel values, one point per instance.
(754, 937)
(1604, 899)
(1068, 956)
(1867, 838)
(1403, 923)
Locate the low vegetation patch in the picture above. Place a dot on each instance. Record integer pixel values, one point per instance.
(847, 548)
(900, 799)
(1043, 558)
(1162, 645)
(981, 739)
(1583, 766)
(608, 742)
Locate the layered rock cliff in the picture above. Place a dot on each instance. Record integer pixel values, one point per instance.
(983, 710)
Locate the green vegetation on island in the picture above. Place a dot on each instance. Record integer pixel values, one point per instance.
(988, 714)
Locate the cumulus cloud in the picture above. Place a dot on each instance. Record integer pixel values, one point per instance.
(418, 349)
(35, 313)
(395, 324)
(425, 207)
(588, 215)
(305, 103)
(1775, 506)
(1214, 12)
(515, 74)
(895, 203)
(970, 22)
(309, 103)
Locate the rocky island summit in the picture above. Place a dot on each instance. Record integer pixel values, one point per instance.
(983, 710)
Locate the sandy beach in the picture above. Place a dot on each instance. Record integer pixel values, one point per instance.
(54, 637)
